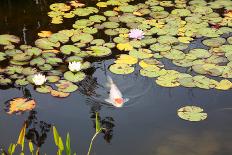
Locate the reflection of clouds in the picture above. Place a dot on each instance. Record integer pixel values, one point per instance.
(207, 143)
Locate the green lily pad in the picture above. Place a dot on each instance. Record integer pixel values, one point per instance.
(6, 39)
(110, 13)
(192, 113)
(44, 89)
(90, 30)
(68, 49)
(121, 69)
(82, 23)
(29, 71)
(74, 58)
(167, 40)
(111, 32)
(5, 81)
(181, 12)
(229, 40)
(97, 18)
(111, 25)
(58, 37)
(141, 53)
(174, 54)
(187, 82)
(97, 42)
(54, 61)
(21, 57)
(21, 82)
(160, 47)
(214, 42)
(2, 56)
(45, 67)
(74, 77)
(66, 86)
(37, 61)
(99, 51)
(128, 8)
(200, 53)
(44, 43)
(226, 48)
(83, 38)
(33, 51)
(152, 72)
(14, 69)
(53, 79)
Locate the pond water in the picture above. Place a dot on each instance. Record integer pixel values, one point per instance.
(147, 124)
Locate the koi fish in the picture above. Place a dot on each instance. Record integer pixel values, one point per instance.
(115, 96)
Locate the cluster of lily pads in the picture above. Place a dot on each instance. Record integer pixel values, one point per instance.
(165, 34)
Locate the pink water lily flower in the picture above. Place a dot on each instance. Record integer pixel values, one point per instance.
(136, 34)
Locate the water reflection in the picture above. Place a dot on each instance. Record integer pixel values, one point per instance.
(206, 143)
(107, 122)
(37, 130)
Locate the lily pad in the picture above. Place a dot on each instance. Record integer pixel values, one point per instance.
(44, 43)
(74, 77)
(121, 69)
(66, 86)
(6, 39)
(214, 42)
(126, 59)
(99, 51)
(192, 113)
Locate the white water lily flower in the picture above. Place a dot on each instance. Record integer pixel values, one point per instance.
(74, 66)
(39, 79)
(136, 34)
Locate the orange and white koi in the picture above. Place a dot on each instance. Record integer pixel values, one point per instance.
(115, 95)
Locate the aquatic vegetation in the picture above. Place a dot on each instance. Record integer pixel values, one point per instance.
(61, 146)
(156, 34)
(192, 113)
(136, 34)
(17, 105)
(39, 79)
(74, 66)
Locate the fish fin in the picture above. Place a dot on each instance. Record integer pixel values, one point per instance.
(109, 100)
(126, 100)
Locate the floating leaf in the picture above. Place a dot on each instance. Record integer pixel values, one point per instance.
(44, 89)
(21, 105)
(126, 59)
(214, 42)
(99, 51)
(224, 85)
(6, 39)
(67, 49)
(141, 53)
(44, 43)
(124, 46)
(160, 47)
(66, 86)
(121, 69)
(192, 113)
(59, 94)
(44, 34)
(74, 77)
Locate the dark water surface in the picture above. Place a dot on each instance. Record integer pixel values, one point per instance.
(147, 125)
